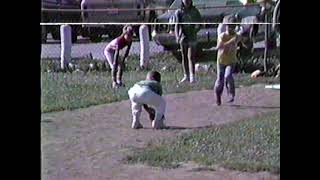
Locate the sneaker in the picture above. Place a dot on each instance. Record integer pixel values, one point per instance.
(184, 79)
(230, 100)
(138, 126)
(153, 124)
(192, 79)
(115, 85)
(156, 125)
(121, 84)
(159, 124)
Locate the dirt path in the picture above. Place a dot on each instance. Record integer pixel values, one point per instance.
(88, 144)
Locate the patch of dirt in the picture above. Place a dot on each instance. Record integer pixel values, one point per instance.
(89, 144)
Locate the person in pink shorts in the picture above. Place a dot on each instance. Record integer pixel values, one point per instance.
(112, 55)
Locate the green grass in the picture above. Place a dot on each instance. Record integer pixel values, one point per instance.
(248, 145)
(67, 91)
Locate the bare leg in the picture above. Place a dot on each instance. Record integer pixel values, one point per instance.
(120, 72)
(191, 62)
(113, 65)
(114, 72)
(184, 54)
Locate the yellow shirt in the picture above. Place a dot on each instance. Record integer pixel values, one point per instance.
(227, 55)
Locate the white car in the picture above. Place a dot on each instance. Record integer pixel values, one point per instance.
(49, 16)
(122, 11)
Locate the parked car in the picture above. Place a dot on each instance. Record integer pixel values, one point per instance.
(118, 14)
(59, 17)
(163, 34)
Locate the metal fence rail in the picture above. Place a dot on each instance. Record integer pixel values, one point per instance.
(122, 15)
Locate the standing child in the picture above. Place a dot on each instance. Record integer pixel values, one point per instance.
(186, 36)
(144, 94)
(112, 55)
(222, 27)
(226, 59)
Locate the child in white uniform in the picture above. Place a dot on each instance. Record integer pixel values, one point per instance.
(144, 94)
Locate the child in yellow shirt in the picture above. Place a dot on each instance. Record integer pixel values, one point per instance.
(226, 60)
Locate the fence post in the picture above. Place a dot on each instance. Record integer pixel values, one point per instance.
(144, 45)
(266, 37)
(66, 44)
(275, 15)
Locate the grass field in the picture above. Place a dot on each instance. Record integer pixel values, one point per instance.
(248, 145)
(67, 91)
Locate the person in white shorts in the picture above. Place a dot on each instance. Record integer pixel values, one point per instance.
(147, 93)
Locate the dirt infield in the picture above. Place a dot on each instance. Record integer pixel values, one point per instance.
(89, 144)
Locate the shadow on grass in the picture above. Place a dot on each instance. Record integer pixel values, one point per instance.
(46, 121)
(201, 169)
(181, 127)
(252, 107)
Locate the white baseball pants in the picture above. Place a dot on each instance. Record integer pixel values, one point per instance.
(143, 95)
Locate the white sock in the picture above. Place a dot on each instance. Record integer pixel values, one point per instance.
(185, 77)
(192, 77)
